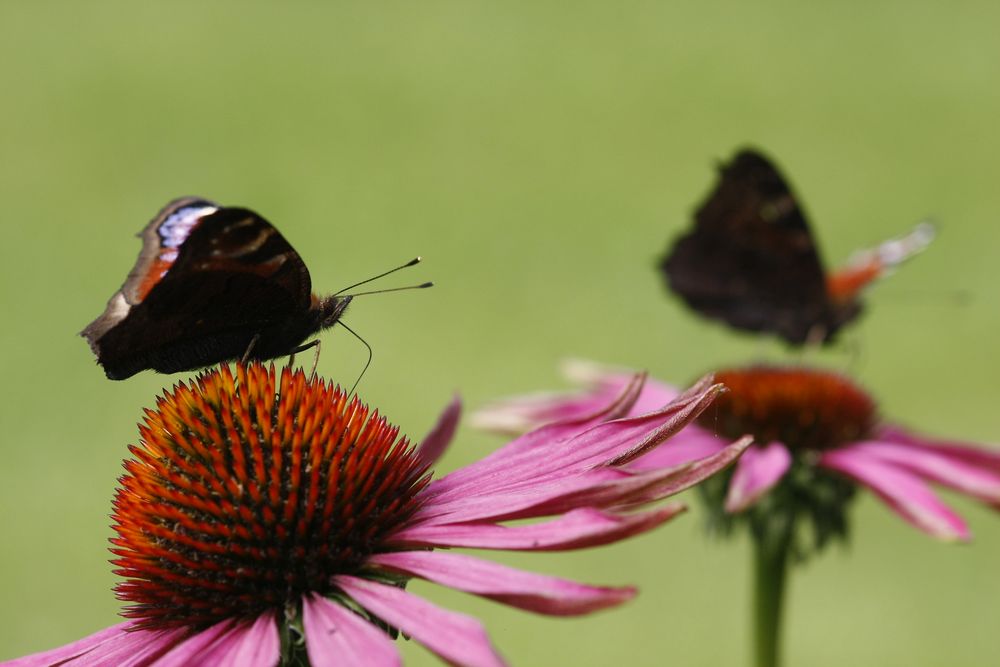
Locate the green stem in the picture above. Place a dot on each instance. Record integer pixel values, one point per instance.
(770, 573)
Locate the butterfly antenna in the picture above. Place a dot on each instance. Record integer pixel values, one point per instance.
(393, 289)
(367, 363)
(412, 262)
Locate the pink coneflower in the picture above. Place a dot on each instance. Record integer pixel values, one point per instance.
(810, 427)
(817, 436)
(266, 519)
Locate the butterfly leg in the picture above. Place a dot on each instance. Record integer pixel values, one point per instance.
(250, 347)
(303, 348)
(817, 334)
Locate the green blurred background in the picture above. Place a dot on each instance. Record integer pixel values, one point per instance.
(539, 155)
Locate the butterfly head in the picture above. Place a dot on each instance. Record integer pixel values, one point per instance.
(326, 311)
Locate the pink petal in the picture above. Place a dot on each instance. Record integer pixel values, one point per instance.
(440, 436)
(457, 638)
(524, 502)
(531, 448)
(645, 487)
(902, 491)
(975, 455)
(577, 529)
(951, 469)
(112, 646)
(691, 444)
(229, 643)
(524, 590)
(518, 415)
(601, 385)
(249, 645)
(757, 471)
(600, 487)
(603, 380)
(338, 637)
(609, 443)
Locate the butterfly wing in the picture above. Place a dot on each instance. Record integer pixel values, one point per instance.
(208, 281)
(751, 260)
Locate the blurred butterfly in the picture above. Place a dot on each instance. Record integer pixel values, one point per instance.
(751, 260)
(212, 283)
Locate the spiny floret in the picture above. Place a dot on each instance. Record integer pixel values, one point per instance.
(248, 491)
(802, 408)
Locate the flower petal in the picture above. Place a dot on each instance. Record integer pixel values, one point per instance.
(949, 468)
(975, 455)
(524, 590)
(577, 529)
(455, 637)
(116, 646)
(600, 487)
(603, 380)
(691, 444)
(338, 637)
(525, 450)
(901, 490)
(513, 416)
(611, 443)
(757, 471)
(437, 440)
(229, 643)
(248, 645)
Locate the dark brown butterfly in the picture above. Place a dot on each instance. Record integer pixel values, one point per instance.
(211, 283)
(751, 260)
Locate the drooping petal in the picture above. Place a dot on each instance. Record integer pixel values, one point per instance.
(757, 471)
(901, 490)
(457, 638)
(951, 469)
(117, 645)
(229, 643)
(609, 443)
(599, 487)
(690, 444)
(532, 448)
(338, 637)
(976, 455)
(254, 644)
(602, 381)
(191, 648)
(577, 529)
(437, 440)
(524, 590)
(600, 385)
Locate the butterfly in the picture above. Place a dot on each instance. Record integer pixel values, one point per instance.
(751, 260)
(212, 283)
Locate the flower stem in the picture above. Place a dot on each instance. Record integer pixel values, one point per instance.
(771, 551)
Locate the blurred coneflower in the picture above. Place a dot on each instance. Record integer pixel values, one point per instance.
(817, 437)
(266, 520)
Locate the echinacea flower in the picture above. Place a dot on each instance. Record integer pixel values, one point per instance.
(265, 519)
(816, 436)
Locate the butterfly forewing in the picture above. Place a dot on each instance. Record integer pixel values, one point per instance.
(750, 259)
(209, 281)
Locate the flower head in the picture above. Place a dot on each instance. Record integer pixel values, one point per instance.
(817, 436)
(266, 518)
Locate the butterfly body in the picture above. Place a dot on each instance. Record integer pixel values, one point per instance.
(751, 260)
(211, 284)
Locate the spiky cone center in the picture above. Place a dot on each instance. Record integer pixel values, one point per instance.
(806, 409)
(247, 492)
